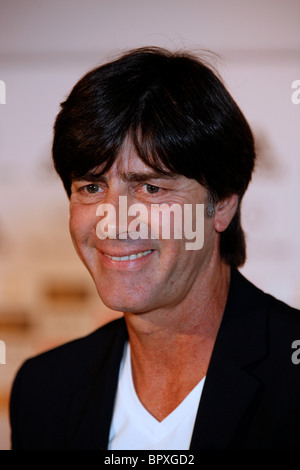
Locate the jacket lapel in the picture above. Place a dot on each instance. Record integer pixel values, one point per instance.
(92, 406)
(229, 388)
(227, 394)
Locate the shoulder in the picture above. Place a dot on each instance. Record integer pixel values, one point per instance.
(75, 356)
(276, 325)
(253, 298)
(45, 384)
(284, 337)
(282, 318)
(257, 321)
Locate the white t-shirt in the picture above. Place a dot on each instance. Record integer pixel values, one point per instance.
(134, 428)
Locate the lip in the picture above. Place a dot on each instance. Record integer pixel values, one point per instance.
(129, 257)
(108, 258)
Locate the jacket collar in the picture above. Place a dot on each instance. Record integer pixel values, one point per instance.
(92, 405)
(228, 390)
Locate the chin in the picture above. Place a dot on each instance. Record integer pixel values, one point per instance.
(128, 307)
(120, 304)
(117, 295)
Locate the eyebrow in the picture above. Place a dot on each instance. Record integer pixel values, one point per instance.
(140, 176)
(90, 176)
(126, 176)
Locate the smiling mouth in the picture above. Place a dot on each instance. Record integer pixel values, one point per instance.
(129, 257)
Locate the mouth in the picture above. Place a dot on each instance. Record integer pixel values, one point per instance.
(130, 257)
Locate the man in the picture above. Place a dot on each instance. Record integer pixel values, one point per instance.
(202, 359)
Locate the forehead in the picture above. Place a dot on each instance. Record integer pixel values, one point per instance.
(127, 164)
(129, 160)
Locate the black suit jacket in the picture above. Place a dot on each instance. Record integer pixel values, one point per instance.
(63, 399)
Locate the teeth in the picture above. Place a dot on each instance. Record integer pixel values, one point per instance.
(130, 257)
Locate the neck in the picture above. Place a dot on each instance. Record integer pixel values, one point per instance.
(163, 336)
(171, 350)
(200, 310)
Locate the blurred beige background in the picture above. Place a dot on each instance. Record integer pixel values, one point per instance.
(46, 296)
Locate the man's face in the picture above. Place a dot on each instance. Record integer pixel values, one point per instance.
(161, 272)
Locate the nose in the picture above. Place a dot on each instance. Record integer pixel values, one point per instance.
(122, 218)
(113, 223)
(114, 210)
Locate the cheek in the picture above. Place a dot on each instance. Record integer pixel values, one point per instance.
(209, 233)
(173, 258)
(81, 224)
(167, 221)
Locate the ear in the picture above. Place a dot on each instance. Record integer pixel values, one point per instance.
(224, 212)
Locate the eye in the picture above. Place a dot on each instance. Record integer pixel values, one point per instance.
(92, 188)
(152, 189)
